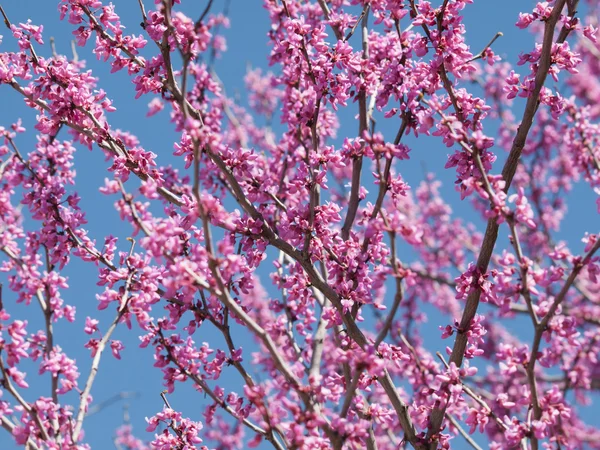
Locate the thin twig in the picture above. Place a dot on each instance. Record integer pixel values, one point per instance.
(143, 10)
(83, 403)
(524, 270)
(203, 15)
(489, 44)
(467, 437)
(358, 21)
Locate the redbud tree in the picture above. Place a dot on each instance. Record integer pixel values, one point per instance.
(287, 271)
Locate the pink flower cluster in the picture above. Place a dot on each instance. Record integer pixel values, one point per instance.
(339, 350)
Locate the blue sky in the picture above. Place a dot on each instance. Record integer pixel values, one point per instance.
(246, 40)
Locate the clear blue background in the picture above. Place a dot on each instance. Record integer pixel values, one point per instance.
(247, 45)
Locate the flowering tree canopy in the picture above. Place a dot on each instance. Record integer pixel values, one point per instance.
(266, 228)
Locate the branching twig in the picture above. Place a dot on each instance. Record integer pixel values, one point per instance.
(542, 326)
(491, 234)
(83, 403)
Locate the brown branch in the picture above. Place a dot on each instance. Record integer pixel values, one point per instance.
(172, 424)
(327, 14)
(478, 399)
(363, 126)
(398, 297)
(313, 186)
(542, 327)
(107, 142)
(491, 233)
(143, 11)
(204, 386)
(524, 270)
(203, 15)
(83, 403)
(466, 436)
(358, 21)
(352, 329)
(350, 390)
(489, 44)
(385, 179)
(223, 294)
(8, 386)
(5, 17)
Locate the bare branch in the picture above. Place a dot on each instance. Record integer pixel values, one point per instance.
(489, 44)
